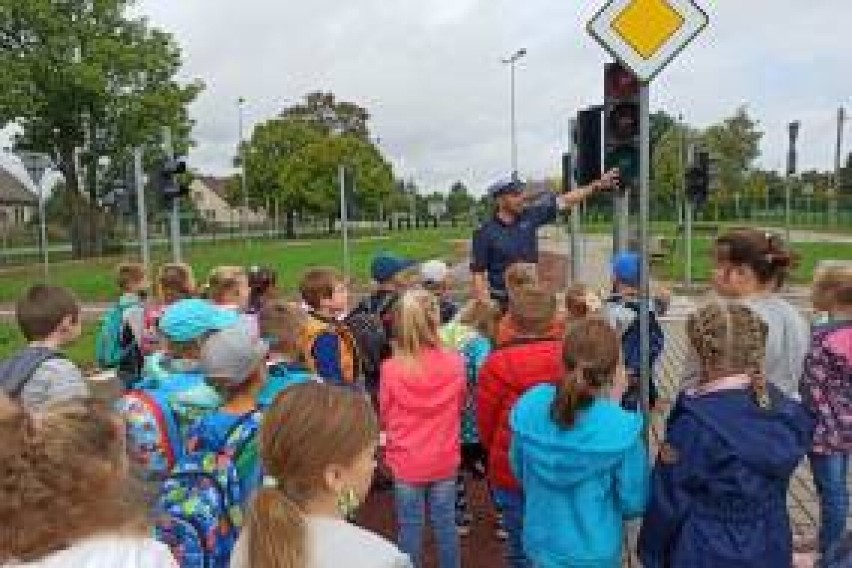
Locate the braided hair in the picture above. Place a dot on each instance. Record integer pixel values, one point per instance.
(731, 338)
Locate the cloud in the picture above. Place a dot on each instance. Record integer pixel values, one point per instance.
(430, 74)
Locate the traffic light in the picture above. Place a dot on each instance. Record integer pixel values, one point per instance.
(567, 171)
(587, 140)
(169, 180)
(621, 123)
(698, 178)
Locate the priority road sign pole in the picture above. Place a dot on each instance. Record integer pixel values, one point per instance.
(344, 220)
(168, 148)
(140, 208)
(644, 192)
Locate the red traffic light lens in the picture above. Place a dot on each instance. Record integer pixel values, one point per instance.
(620, 82)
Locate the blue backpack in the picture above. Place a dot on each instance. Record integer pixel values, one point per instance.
(115, 342)
(199, 508)
(157, 415)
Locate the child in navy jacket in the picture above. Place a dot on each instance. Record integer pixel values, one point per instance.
(718, 495)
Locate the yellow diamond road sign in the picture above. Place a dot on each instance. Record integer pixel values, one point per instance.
(645, 35)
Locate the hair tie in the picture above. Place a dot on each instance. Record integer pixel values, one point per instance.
(270, 482)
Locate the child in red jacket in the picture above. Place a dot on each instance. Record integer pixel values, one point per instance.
(421, 397)
(531, 359)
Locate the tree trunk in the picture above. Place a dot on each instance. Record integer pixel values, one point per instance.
(331, 219)
(89, 226)
(290, 226)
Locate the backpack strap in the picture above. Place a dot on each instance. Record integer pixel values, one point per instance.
(16, 371)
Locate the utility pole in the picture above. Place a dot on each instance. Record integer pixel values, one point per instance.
(793, 130)
(139, 182)
(511, 62)
(344, 220)
(244, 216)
(832, 215)
(168, 148)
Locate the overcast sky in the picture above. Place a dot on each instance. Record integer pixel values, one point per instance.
(429, 72)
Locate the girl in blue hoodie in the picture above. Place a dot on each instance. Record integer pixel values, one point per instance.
(579, 456)
(719, 487)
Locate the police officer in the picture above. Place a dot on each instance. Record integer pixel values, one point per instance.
(510, 236)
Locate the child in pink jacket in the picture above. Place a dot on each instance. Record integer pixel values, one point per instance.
(421, 399)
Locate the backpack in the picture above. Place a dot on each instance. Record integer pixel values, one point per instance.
(631, 348)
(199, 507)
(367, 324)
(115, 342)
(156, 419)
(18, 369)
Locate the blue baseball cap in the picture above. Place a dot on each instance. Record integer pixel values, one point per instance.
(386, 265)
(191, 319)
(625, 268)
(506, 185)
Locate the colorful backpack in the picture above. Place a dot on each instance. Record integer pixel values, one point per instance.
(199, 508)
(157, 416)
(115, 342)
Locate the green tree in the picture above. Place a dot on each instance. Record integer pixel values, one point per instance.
(330, 116)
(85, 74)
(459, 200)
(735, 144)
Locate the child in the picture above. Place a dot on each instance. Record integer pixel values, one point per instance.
(263, 285)
(435, 277)
(532, 359)
(826, 280)
(327, 347)
(622, 310)
(580, 458)
(471, 333)
(121, 334)
(750, 266)
(520, 277)
(39, 374)
(234, 363)
(719, 486)
(52, 468)
(228, 288)
(281, 327)
(581, 302)
(421, 396)
(175, 282)
(317, 445)
(826, 391)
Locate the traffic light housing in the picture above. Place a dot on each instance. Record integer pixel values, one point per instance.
(698, 178)
(567, 171)
(169, 179)
(621, 123)
(587, 141)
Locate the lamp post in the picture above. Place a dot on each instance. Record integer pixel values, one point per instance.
(511, 61)
(36, 165)
(242, 154)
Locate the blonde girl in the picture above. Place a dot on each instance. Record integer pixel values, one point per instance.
(318, 445)
(421, 396)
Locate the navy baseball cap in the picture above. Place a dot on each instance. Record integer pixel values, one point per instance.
(625, 268)
(506, 185)
(386, 265)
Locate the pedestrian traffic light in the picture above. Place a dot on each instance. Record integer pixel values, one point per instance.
(698, 179)
(621, 123)
(169, 180)
(587, 141)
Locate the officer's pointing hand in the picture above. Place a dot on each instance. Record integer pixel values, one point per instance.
(608, 181)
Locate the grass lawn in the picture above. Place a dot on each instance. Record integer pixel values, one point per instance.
(82, 352)
(93, 280)
(810, 254)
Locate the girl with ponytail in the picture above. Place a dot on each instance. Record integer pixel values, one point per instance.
(318, 445)
(720, 482)
(751, 266)
(579, 456)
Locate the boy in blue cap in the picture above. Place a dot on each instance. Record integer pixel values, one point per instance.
(622, 309)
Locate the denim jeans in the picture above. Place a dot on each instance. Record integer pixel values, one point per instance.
(411, 501)
(829, 472)
(511, 503)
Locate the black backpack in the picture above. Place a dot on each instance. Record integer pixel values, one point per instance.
(18, 369)
(369, 327)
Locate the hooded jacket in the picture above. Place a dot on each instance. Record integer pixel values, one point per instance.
(420, 405)
(508, 373)
(719, 487)
(579, 482)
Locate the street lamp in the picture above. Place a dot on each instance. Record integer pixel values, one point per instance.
(242, 154)
(511, 61)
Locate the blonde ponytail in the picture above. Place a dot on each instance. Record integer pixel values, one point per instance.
(275, 531)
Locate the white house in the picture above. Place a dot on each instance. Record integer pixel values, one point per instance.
(209, 195)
